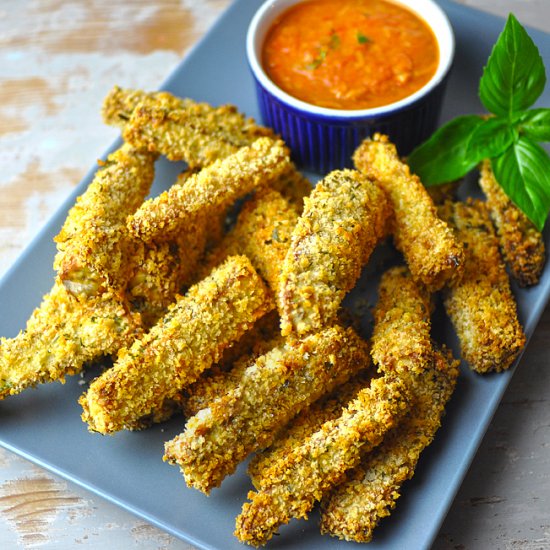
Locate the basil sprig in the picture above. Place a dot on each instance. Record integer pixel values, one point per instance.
(512, 81)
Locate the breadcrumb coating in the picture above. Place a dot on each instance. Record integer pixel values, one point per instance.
(293, 186)
(481, 306)
(306, 423)
(343, 219)
(263, 232)
(521, 244)
(263, 330)
(430, 249)
(164, 270)
(293, 484)
(94, 247)
(197, 133)
(268, 395)
(187, 207)
(217, 218)
(401, 341)
(61, 335)
(445, 192)
(120, 103)
(186, 341)
(225, 375)
(353, 509)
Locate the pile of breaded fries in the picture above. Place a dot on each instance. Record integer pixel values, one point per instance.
(240, 326)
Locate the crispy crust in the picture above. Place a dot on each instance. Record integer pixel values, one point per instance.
(401, 340)
(262, 232)
(270, 392)
(521, 244)
(185, 342)
(481, 306)
(94, 248)
(291, 486)
(187, 207)
(61, 335)
(181, 129)
(120, 103)
(164, 270)
(445, 192)
(224, 376)
(343, 219)
(353, 509)
(293, 186)
(431, 251)
(306, 423)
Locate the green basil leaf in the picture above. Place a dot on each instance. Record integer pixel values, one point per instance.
(523, 171)
(443, 157)
(514, 76)
(490, 139)
(536, 124)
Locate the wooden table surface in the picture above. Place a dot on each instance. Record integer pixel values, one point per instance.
(58, 59)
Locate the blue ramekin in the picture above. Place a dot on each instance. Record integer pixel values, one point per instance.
(323, 139)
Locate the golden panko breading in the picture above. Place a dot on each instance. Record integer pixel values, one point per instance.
(262, 232)
(353, 509)
(217, 219)
(306, 423)
(164, 269)
(253, 341)
(94, 247)
(445, 192)
(197, 133)
(61, 335)
(343, 219)
(401, 341)
(481, 306)
(521, 244)
(225, 375)
(187, 207)
(293, 186)
(430, 249)
(120, 103)
(186, 341)
(292, 485)
(268, 395)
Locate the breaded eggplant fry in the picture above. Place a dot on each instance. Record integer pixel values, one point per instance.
(61, 335)
(186, 341)
(521, 244)
(401, 341)
(197, 133)
(182, 206)
(353, 509)
(291, 486)
(306, 423)
(94, 247)
(269, 394)
(343, 219)
(430, 249)
(481, 306)
(262, 232)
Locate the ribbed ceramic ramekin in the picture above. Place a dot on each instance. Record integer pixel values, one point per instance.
(323, 139)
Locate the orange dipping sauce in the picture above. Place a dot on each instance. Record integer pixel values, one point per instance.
(350, 54)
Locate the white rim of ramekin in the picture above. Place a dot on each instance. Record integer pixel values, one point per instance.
(428, 10)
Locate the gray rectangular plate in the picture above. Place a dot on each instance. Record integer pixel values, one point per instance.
(44, 424)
